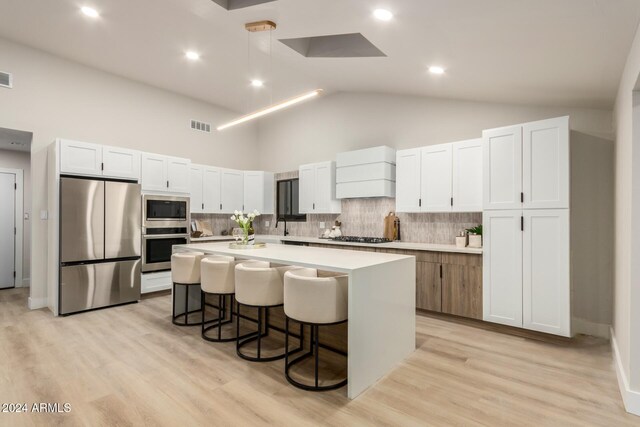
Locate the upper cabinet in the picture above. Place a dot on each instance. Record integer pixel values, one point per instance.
(232, 190)
(165, 174)
(196, 203)
(83, 158)
(317, 189)
(440, 178)
(211, 189)
(527, 166)
(258, 192)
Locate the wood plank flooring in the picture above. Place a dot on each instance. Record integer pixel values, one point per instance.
(129, 366)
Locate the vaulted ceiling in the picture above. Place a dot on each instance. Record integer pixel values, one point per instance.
(545, 52)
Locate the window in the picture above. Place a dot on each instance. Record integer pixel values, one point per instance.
(288, 201)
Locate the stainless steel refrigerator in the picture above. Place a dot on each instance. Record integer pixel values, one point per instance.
(100, 235)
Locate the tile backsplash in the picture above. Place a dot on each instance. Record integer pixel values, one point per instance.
(363, 217)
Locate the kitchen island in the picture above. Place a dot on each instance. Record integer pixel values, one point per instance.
(382, 295)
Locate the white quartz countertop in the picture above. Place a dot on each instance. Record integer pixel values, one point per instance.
(320, 258)
(431, 247)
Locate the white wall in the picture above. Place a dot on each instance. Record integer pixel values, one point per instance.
(21, 160)
(626, 325)
(53, 98)
(319, 129)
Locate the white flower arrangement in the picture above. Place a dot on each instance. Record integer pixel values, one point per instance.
(244, 222)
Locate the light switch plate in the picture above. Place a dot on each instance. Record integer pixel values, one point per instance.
(44, 215)
(322, 225)
(267, 223)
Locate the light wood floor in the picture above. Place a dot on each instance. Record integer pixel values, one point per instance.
(129, 366)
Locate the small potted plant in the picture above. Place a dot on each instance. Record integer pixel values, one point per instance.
(475, 236)
(246, 224)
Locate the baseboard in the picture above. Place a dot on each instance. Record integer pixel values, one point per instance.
(36, 303)
(631, 398)
(26, 282)
(587, 327)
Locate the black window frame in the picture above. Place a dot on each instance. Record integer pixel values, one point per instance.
(287, 217)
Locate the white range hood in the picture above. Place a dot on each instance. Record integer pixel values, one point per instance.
(370, 172)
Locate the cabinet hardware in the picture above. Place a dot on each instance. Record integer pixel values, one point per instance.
(521, 197)
(441, 271)
(314, 206)
(14, 274)
(419, 202)
(167, 184)
(452, 201)
(522, 223)
(15, 186)
(101, 166)
(220, 206)
(203, 206)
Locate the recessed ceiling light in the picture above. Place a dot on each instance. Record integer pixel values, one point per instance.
(257, 83)
(435, 69)
(382, 14)
(89, 11)
(191, 55)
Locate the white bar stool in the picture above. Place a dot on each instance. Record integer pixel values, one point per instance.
(185, 271)
(314, 301)
(218, 279)
(261, 286)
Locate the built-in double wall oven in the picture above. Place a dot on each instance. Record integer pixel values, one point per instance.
(165, 222)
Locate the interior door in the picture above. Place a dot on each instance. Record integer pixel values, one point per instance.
(436, 178)
(408, 180)
(502, 267)
(545, 164)
(502, 168)
(546, 264)
(7, 230)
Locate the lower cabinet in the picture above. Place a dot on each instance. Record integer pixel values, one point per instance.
(428, 286)
(462, 285)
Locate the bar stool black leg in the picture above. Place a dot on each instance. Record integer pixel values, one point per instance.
(316, 352)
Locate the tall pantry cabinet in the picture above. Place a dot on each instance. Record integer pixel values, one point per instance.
(526, 262)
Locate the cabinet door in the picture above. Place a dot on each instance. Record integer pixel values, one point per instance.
(211, 188)
(232, 190)
(121, 163)
(546, 265)
(502, 168)
(467, 176)
(545, 164)
(195, 181)
(428, 286)
(435, 180)
(154, 172)
(253, 191)
(307, 185)
(502, 267)
(325, 189)
(178, 175)
(408, 180)
(462, 285)
(80, 158)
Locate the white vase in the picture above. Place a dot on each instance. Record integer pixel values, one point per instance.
(475, 241)
(461, 241)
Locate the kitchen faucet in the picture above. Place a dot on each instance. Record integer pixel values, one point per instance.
(286, 232)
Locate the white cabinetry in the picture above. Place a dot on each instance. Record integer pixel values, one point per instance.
(546, 271)
(467, 175)
(165, 174)
(502, 270)
(232, 193)
(83, 158)
(435, 181)
(440, 178)
(211, 189)
(527, 166)
(526, 253)
(408, 180)
(258, 192)
(317, 189)
(196, 202)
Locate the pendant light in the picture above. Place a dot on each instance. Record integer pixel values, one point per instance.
(253, 27)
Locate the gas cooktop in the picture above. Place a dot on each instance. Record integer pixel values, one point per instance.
(357, 239)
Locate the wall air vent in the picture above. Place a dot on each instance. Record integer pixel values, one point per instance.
(201, 126)
(6, 79)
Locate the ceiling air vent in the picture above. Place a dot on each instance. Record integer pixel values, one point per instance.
(6, 80)
(201, 126)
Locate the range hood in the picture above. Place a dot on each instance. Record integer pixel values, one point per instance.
(370, 172)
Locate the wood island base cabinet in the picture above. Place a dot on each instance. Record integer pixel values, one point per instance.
(446, 282)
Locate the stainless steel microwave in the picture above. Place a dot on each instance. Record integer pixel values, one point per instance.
(165, 211)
